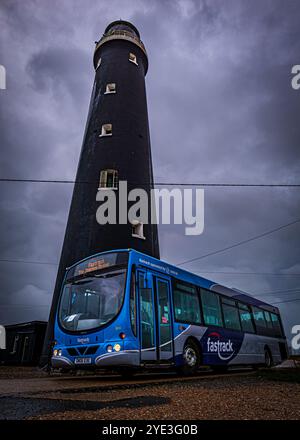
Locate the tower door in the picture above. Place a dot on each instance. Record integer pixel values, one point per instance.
(156, 341)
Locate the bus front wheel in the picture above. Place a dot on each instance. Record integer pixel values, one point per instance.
(191, 358)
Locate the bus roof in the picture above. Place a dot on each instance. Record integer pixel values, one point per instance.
(170, 269)
(236, 294)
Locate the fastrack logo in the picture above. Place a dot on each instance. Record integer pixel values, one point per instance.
(2, 338)
(219, 346)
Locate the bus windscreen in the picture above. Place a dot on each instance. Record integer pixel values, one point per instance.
(92, 302)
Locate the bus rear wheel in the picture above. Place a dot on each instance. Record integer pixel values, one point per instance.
(268, 359)
(191, 358)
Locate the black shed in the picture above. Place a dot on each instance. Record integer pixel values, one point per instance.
(24, 343)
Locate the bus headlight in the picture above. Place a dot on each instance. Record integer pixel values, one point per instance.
(117, 347)
(109, 348)
(57, 352)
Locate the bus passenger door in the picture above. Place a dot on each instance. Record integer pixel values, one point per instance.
(147, 316)
(164, 319)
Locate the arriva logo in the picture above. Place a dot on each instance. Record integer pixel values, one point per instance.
(219, 346)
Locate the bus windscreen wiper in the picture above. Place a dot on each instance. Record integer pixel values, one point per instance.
(83, 281)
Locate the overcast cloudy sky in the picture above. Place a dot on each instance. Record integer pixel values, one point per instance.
(221, 109)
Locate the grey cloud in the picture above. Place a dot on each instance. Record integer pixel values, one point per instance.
(221, 109)
(58, 70)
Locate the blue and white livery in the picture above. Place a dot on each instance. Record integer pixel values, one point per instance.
(124, 310)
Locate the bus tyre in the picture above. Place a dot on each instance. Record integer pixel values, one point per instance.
(191, 358)
(268, 359)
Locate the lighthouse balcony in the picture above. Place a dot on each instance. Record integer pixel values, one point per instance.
(121, 35)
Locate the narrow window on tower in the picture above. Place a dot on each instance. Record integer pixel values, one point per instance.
(137, 229)
(132, 58)
(106, 130)
(110, 88)
(108, 179)
(98, 64)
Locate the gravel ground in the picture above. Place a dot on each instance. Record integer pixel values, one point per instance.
(265, 395)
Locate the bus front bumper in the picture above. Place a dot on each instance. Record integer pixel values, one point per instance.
(122, 358)
(61, 362)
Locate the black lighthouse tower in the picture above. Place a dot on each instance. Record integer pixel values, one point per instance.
(116, 147)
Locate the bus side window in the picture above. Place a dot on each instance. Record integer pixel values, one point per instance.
(268, 319)
(246, 318)
(211, 308)
(231, 314)
(259, 319)
(186, 303)
(276, 325)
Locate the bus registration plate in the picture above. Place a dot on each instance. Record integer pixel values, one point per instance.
(83, 361)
